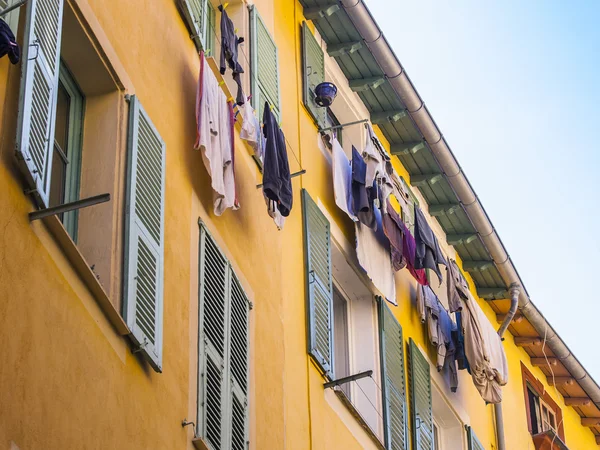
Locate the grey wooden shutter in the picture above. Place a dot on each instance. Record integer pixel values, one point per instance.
(391, 346)
(420, 389)
(195, 13)
(39, 90)
(239, 365)
(144, 235)
(473, 442)
(265, 66)
(214, 292)
(313, 71)
(319, 287)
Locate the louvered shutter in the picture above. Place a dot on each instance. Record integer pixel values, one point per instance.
(265, 66)
(313, 68)
(420, 389)
(214, 292)
(473, 442)
(39, 90)
(238, 365)
(195, 13)
(319, 288)
(144, 235)
(392, 378)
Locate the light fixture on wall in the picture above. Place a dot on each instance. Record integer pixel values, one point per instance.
(325, 94)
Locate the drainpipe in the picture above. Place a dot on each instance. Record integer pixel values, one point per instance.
(514, 303)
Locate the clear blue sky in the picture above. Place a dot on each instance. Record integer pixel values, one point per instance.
(515, 88)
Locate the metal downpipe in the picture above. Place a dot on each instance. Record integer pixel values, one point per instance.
(375, 40)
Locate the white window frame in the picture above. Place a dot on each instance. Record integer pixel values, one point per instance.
(545, 422)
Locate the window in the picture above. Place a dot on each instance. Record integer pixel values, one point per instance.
(200, 18)
(265, 66)
(543, 413)
(66, 159)
(223, 345)
(313, 71)
(117, 150)
(342, 322)
(332, 121)
(448, 430)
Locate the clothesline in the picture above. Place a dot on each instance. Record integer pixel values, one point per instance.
(254, 78)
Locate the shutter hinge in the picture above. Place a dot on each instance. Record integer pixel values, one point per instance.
(141, 347)
(250, 305)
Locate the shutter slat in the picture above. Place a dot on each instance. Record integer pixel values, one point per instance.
(420, 389)
(265, 66)
(313, 73)
(38, 96)
(317, 244)
(144, 235)
(392, 374)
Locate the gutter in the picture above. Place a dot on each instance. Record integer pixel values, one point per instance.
(402, 85)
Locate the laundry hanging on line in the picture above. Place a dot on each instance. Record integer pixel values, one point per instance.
(229, 53)
(428, 254)
(8, 43)
(215, 138)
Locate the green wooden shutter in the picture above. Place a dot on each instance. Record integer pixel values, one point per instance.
(420, 390)
(265, 66)
(223, 360)
(196, 15)
(144, 235)
(214, 292)
(313, 71)
(319, 288)
(39, 90)
(239, 365)
(392, 378)
(473, 442)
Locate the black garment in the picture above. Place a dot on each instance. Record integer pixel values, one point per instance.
(362, 198)
(277, 183)
(229, 53)
(8, 43)
(428, 254)
(459, 341)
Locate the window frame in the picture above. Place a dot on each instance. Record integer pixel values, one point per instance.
(73, 155)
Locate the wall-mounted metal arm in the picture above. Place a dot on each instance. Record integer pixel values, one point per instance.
(78, 204)
(336, 127)
(347, 379)
(294, 175)
(11, 7)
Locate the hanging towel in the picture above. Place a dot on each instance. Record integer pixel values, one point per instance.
(277, 183)
(8, 43)
(229, 52)
(408, 251)
(214, 137)
(373, 252)
(250, 131)
(342, 179)
(428, 254)
(485, 353)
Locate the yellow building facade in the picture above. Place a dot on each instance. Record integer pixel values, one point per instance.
(75, 373)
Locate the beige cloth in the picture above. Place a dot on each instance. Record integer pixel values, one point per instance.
(485, 353)
(457, 286)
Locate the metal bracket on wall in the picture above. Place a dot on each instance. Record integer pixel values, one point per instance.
(294, 175)
(11, 7)
(78, 204)
(336, 127)
(347, 379)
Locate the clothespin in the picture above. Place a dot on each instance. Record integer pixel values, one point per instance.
(271, 106)
(230, 99)
(235, 31)
(221, 83)
(225, 5)
(207, 51)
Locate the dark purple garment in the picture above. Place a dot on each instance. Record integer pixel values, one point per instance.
(395, 234)
(229, 53)
(362, 198)
(8, 43)
(277, 183)
(428, 254)
(408, 250)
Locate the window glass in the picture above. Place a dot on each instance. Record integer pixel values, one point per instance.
(340, 339)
